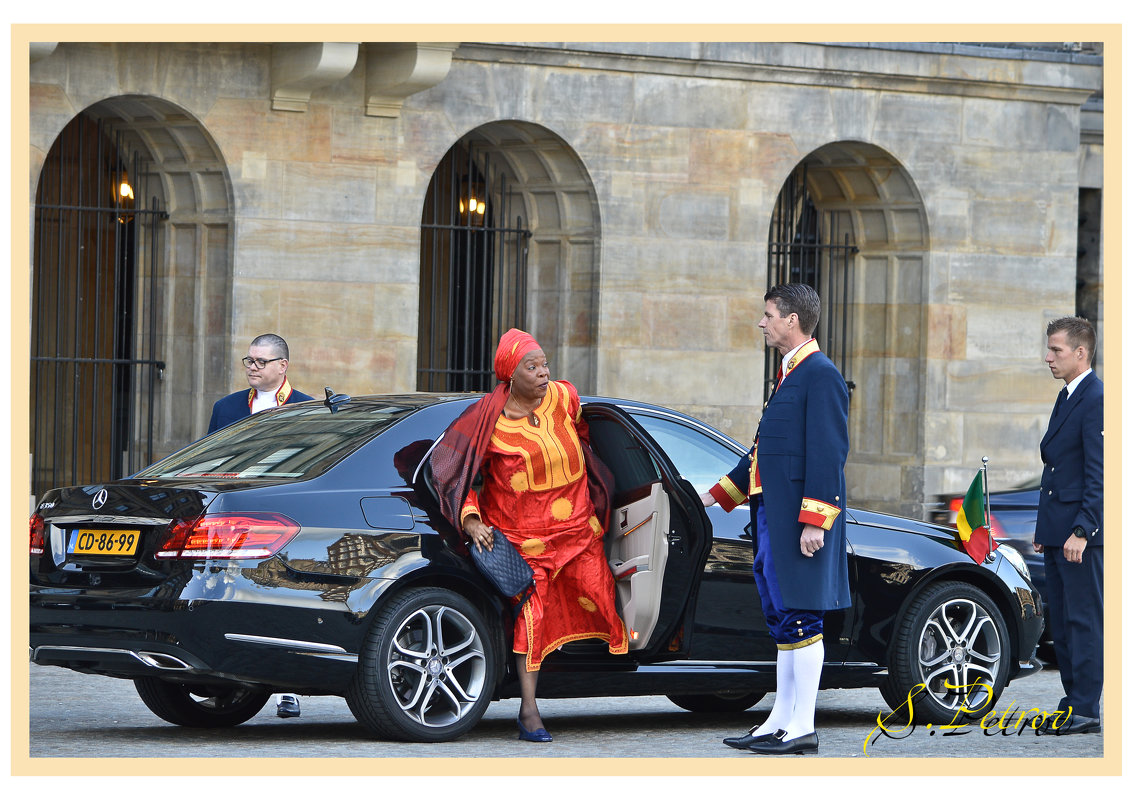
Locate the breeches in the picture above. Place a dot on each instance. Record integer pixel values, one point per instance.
(790, 628)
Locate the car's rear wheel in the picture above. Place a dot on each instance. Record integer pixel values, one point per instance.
(950, 655)
(200, 705)
(427, 667)
(719, 703)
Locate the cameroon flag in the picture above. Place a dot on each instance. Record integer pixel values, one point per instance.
(973, 522)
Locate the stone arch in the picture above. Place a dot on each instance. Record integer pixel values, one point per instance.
(875, 198)
(188, 285)
(559, 205)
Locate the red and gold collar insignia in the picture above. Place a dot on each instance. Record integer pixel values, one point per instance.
(282, 394)
(805, 350)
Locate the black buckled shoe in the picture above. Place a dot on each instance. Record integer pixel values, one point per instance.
(1076, 724)
(778, 746)
(746, 740)
(288, 707)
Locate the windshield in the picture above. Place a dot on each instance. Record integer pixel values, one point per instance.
(292, 442)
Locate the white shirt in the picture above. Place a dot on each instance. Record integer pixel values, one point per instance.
(1076, 381)
(264, 400)
(788, 356)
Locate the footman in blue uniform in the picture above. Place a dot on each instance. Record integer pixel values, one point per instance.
(794, 483)
(265, 367)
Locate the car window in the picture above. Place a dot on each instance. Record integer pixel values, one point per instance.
(292, 443)
(630, 463)
(699, 457)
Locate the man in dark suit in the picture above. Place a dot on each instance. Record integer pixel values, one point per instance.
(1069, 524)
(794, 483)
(265, 367)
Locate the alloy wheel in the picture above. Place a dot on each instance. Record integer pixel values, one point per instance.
(436, 666)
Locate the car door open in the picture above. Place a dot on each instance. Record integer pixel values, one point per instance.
(637, 549)
(658, 537)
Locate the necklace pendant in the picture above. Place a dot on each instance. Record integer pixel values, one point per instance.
(535, 419)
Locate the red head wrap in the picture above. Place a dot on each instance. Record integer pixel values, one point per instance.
(514, 345)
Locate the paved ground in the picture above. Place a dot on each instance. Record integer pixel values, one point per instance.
(73, 715)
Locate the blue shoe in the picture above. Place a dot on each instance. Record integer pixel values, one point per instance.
(537, 736)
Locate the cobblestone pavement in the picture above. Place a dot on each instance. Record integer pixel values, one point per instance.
(73, 715)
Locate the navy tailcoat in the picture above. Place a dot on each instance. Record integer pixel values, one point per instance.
(801, 452)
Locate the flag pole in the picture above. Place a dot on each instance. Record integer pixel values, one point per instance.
(987, 511)
(984, 485)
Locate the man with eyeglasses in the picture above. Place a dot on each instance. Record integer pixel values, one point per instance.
(265, 366)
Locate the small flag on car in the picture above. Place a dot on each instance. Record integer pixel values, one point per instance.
(973, 521)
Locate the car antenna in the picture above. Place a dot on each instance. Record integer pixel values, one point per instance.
(334, 400)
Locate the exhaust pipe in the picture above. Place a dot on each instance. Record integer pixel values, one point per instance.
(52, 654)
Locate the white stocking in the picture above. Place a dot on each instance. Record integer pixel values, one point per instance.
(782, 707)
(807, 667)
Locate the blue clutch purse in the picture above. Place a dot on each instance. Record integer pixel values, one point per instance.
(503, 566)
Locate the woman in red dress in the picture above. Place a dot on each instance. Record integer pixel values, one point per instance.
(530, 444)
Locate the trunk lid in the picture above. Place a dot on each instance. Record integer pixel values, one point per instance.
(106, 534)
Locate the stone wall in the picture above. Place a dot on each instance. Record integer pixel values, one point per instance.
(959, 169)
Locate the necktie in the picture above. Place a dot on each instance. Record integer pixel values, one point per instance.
(1059, 401)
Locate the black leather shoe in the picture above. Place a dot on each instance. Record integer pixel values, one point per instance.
(1076, 724)
(746, 740)
(778, 746)
(288, 707)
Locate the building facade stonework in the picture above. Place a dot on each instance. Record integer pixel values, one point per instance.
(294, 178)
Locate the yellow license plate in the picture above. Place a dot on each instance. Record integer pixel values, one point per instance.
(106, 542)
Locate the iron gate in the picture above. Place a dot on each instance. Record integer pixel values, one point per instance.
(473, 273)
(94, 300)
(801, 249)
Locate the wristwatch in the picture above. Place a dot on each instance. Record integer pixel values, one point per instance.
(1080, 532)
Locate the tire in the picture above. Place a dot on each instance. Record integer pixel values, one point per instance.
(950, 656)
(427, 668)
(719, 703)
(205, 706)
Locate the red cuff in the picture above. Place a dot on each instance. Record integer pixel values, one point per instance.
(727, 494)
(818, 513)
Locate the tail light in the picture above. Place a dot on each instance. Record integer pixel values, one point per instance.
(228, 536)
(37, 542)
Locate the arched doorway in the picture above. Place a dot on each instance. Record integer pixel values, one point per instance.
(131, 273)
(526, 257)
(860, 229)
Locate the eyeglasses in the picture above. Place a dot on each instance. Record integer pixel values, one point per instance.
(261, 363)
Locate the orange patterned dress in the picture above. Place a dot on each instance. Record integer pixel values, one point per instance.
(535, 492)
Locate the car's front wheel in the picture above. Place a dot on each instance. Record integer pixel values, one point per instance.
(427, 667)
(200, 705)
(950, 655)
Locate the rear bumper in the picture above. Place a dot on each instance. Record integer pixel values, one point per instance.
(304, 649)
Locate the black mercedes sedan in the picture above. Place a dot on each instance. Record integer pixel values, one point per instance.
(302, 550)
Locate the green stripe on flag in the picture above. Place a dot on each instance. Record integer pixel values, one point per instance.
(972, 514)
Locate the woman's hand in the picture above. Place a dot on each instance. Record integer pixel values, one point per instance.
(478, 533)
